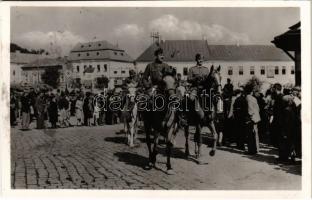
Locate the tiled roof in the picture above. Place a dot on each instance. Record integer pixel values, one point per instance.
(93, 46)
(185, 50)
(23, 58)
(101, 50)
(46, 62)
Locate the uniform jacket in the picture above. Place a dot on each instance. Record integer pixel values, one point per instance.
(196, 75)
(154, 72)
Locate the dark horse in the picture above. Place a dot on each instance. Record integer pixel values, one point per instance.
(212, 87)
(160, 121)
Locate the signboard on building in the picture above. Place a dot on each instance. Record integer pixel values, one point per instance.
(270, 71)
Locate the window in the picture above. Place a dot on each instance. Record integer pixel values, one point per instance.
(123, 71)
(262, 70)
(115, 82)
(98, 68)
(89, 45)
(241, 70)
(97, 53)
(115, 72)
(230, 70)
(99, 44)
(115, 53)
(78, 54)
(121, 54)
(81, 46)
(252, 70)
(84, 67)
(13, 72)
(185, 71)
(283, 70)
(276, 71)
(77, 68)
(88, 54)
(292, 70)
(105, 67)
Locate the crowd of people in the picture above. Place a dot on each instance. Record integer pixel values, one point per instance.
(252, 117)
(55, 109)
(249, 116)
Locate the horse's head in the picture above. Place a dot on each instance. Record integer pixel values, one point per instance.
(132, 93)
(214, 79)
(169, 80)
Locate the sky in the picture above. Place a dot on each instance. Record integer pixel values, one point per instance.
(58, 29)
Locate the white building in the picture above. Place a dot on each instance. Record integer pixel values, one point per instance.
(17, 60)
(32, 72)
(238, 62)
(104, 58)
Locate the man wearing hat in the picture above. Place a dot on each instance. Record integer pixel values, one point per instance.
(152, 75)
(196, 77)
(153, 78)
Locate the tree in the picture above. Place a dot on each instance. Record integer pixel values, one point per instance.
(51, 77)
(255, 83)
(102, 82)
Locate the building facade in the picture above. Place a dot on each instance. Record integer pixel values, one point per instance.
(17, 60)
(104, 59)
(238, 62)
(32, 72)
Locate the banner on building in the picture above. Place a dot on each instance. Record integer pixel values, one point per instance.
(270, 71)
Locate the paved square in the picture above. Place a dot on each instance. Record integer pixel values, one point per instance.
(97, 158)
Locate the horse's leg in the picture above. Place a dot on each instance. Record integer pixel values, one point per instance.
(198, 142)
(155, 147)
(168, 152)
(132, 124)
(148, 129)
(186, 134)
(211, 126)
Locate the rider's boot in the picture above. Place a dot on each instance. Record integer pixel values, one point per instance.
(199, 157)
(187, 152)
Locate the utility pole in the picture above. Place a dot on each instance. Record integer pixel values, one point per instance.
(155, 37)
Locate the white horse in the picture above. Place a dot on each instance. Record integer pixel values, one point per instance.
(130, 116)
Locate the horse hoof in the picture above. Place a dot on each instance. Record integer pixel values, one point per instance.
(149, 166)
(170, 172)
(187, 154)
(212, 152)
(199, 161)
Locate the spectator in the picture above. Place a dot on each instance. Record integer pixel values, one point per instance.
(41, 110)
(52, 110)
(228, 90)
(261, 125)
(277, 114)
(13, 108)
(96, 113)
(79, 110)
(296, 93)
(240, 113)
(25, 109)
(252, 121)
(63, 105)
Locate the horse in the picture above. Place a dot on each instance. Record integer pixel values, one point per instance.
(212, 85)
(130, 115)
(160, 122)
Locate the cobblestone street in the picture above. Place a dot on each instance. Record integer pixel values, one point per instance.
(97, 158)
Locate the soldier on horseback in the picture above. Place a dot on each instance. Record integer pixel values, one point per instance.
(157, 78)
(197, 77)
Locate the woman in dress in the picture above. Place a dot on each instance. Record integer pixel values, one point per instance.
(79, 111)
